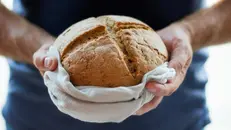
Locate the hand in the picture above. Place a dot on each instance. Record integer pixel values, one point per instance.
(177, 41)
(42, 61)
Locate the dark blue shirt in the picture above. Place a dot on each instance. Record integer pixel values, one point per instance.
(28, 105)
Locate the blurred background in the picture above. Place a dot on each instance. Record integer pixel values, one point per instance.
(218, 88)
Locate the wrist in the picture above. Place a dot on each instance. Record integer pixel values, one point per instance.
(188, 31)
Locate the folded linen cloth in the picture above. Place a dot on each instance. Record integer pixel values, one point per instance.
(99, 104)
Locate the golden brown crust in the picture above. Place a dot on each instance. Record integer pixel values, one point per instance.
(122, 22)
(77, 33)
(86, 37)
(140, 52)
(117, 23)
(110, 51)
(99, 63)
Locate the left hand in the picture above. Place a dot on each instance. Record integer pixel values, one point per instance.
(43, 62)
(177, 41)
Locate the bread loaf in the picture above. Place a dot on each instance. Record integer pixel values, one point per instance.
(110, 51)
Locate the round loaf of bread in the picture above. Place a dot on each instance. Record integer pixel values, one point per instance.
(110, 51)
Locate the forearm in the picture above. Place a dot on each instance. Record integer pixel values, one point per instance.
(19, 39)
(211, 26)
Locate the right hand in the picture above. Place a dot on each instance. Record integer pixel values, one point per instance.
(178, 43)
(43, 62)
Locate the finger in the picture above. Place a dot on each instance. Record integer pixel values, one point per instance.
(44, 62)
(181, 55)
(149, 106)
(38, 59)
(51, 63)
(162, 89)
(180, 61)
(168, 88)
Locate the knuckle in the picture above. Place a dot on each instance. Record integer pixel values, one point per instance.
(179, 65)
(176, 42)
(188, 62)
(189, 57)
(183, 71)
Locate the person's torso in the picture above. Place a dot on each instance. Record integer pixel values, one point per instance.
(28, 101)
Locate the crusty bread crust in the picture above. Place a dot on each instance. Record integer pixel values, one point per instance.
(110, 51)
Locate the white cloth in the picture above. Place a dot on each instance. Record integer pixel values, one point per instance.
(100, 105)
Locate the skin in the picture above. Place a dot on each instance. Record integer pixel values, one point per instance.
(178, 44)
(20, 40)
(204, 28)
(25, 42)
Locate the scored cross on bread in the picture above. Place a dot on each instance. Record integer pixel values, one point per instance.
(110, 51)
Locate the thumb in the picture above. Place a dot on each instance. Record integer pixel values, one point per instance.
(44, 62)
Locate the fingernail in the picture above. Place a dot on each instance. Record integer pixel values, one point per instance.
(47, 62)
